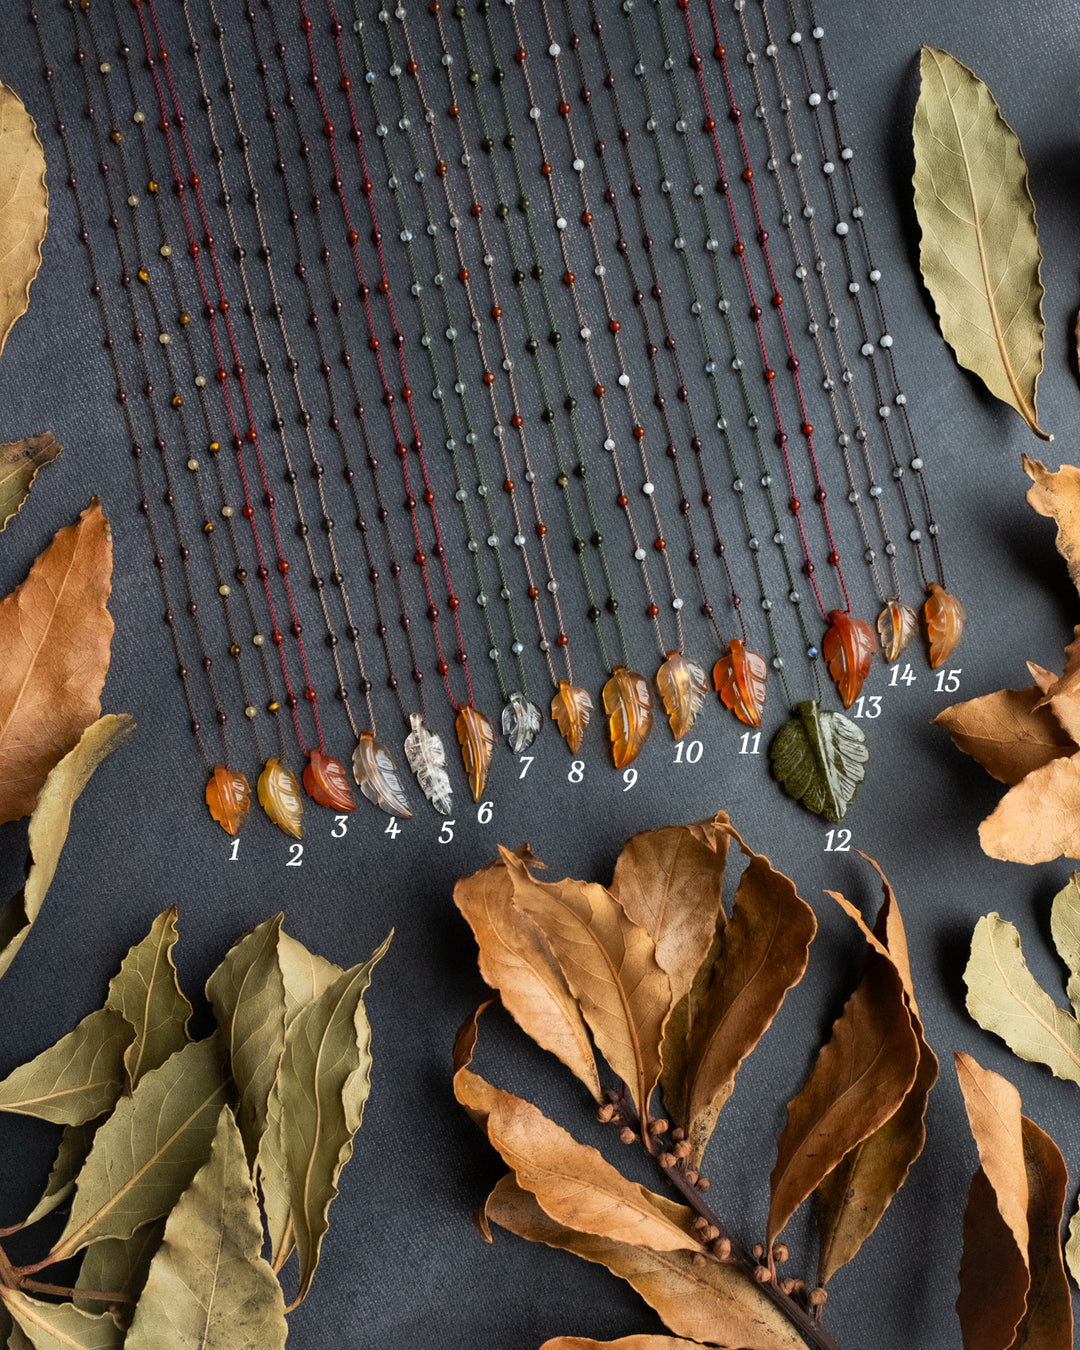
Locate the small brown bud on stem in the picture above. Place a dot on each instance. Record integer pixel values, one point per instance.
(758, 1251)
(699, 1224)
(762, 1274)
(678, 1133)
(711, 1233)
(722, 1248)
(779, 1253)
(816, 1298)
(658, 1127)
(788, 1287)
(667, 1159)
(627, 1135)
(682, 1149)
(605, 1113)
(702, 1183)
(698, 1259)
(692, 1178)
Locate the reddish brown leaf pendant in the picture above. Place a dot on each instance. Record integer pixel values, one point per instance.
(683, 686)
(325, 783)
(571, 709)
(628, 704)
(228, 797)
(848, 649)
(739, 678)
(476, 736)
(279, 797)
(945, 617)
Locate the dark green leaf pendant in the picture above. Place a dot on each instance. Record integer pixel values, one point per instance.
(819, 758)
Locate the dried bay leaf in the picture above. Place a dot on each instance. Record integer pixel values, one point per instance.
(993, 1111)
(24, 208)
(1057, 496)
(77, 1079)
(304, 973)
(1048, 1321)
(209, 1287)
(75, 1144)
(515, 959)
(146, 992)
(712, 1303)
(20, 462)
(148, 1150)
(118, 1266)
(994, 1277)
(1038, 819)
(54, 632)
(49, 826)
(1009, 732)
(610, 965)
(1072, 1246)
(979, 252)
(1006, 999)
(623, 1343)
(1065, 930)
(61, 1326)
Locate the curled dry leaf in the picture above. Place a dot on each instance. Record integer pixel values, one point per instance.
(944, 617)
(1065, 930)
(628, 704)
(623, 1343)
(848, 648)
(740, 677)
(1009, 732)
(77, 1079)
(55, 633)
(1048, 1321)
(896, 626)
(476, 736)
(1057, 496)
(375, 771)
(279, 797)
(145, 991)
(325, 783)
(60, 1326)
(24, 207)
(19, 465)
(74, 1145)
(683, 686)
(979, 252)
(49, 826)
(1038, 819)
(571, 709)
(117, 1265)
(1072, 1246)
(819, 758)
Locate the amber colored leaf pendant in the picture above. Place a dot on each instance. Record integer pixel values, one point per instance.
(228, 797)
(279, 797)
(897, 624)
(848, 648)
(683, 686)
(944, 617)
(325, 783)
(375, 771)
(739, 678)
(628, 704)
(476, 736)
(571, 709)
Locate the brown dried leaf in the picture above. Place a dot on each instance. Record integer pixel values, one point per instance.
(610, 965)
(54, 633)
(628, 704)
(1039, 818)
(24, 208)
(1048, 1320)
(713, 1303)
(1062, 697)
(516, 960)
(763, 951)
(993, 1111)
(1009, 732)
(1057, 495)
(19, 465)
(623, 1343)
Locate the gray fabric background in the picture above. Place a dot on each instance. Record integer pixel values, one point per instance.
(402, 1264)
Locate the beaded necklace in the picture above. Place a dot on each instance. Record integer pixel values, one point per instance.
(739, 674)
(571, 708)
(942, 612)
(568, 698)
(423, 747)
(228, 792)
(520, 719)
(475, 732)
(372, 765)
(849, 642)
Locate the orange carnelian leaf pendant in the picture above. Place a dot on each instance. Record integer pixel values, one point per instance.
(739, 678)
(279, 797)
(476, 736)
(571, 709)
(325, 783)
(683, 686)
(944, 617)
(628, 704)
(897, 624)
(848, 648)
(228, 797)
(378, 777)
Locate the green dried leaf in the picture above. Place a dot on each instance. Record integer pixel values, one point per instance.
(61, 1326)
(306, 974)
(819, 758)
(209, 1287)
(49, 826)
(74, 1146)
(146, 991)
(75, 1080)
(1065, 930)
(1005, 998)
(118, 1266)
(314, 1111)
(979, 254)
(19, 465)
(148, 1149)
(248, 995)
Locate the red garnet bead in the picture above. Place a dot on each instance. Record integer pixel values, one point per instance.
(586, 217)
(777, 300)
(568, 278)
(453, 602)
(496, 313)
(508, 485)
(545, 169)
(562, 640)
(515, 421)
(737, 248)
(621, 499)
(533, 592)
(660, 545)
(564, 109)
(652, 611)
(613, 326)
(541, 529)
(489, 378)
(770, 374)
(442, 667)
(807, 429)
(475, 208)
(599, 390)
(639, 433)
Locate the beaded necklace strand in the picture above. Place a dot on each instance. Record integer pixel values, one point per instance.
(739, 673)
(475, 732)
(227, 788)
(372, 765)
(942, 613)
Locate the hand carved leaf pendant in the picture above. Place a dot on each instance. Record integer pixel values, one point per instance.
(571, 709)
(945, 617)
(683, 686)
(325, 782)
(426, 755)
(628, 704)
(521, 722)
(819, 758)
(476, 736)
(897, 624)
(848, 648)
(279, 797)
(228, 797)
(739, 678)
(378, 777)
